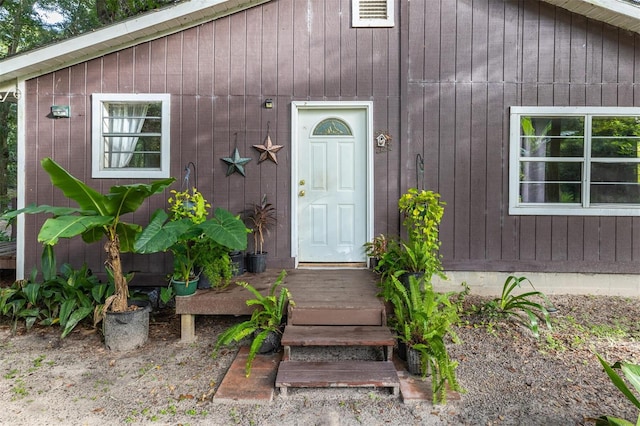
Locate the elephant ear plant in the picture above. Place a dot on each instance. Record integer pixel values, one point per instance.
(97, 216)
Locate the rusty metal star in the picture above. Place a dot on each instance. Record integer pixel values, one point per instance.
(235, 163)
(268, 150)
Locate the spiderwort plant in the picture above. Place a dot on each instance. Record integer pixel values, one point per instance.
(514, 305)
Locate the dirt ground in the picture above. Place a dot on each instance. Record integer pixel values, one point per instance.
(510, 378)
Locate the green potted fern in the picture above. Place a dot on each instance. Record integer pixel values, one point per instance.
(423, 320)
(266, 323)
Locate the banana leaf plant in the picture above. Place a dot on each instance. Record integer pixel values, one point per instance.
(97, 215)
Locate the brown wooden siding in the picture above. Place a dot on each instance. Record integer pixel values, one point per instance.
(219, 74)
(468, 63)
(442, 81)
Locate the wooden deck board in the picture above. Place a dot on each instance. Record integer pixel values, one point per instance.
(350, 294)
(337, 336)
(337, 374)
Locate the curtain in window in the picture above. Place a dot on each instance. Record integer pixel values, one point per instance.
(122, 119)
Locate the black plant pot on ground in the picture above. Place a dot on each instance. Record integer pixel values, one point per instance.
(414, 366)
(257, 262)
(271, 343)
(125, 331)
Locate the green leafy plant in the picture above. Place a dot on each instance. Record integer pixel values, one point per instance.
(185, 231)
(262, 217)
(632, 373)
(422, 212)
(63, 299)
(423, 320)
(97, 216)
(377, 247)
(513, 305)
(267, 317)
(215, 262)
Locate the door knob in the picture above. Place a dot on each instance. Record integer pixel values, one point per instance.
(301, 193)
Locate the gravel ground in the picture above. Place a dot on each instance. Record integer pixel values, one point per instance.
(510, 378)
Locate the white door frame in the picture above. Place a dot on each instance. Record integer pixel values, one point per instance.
(296, 107)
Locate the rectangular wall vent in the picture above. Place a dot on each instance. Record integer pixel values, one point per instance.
(372, 13)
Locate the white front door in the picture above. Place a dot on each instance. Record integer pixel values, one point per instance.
(331, 186)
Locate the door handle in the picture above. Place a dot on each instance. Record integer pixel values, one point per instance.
(301, 193)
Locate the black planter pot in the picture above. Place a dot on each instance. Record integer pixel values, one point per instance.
(404, 278)
(257, 262)
(414, 366)
(271, 343)
(125, 331)
(237, 263)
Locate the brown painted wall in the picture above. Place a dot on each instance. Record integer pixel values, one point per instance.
(441, 81)
(219, 74)
(468, 63)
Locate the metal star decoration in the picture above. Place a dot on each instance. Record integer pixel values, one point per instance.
(268, 150)
(235, 163)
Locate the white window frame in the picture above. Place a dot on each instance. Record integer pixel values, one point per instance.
(518, 208)
(97, 155)
(359, 21)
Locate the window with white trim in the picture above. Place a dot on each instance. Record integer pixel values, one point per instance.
(130, 135)
(372, 13)
(574, 161)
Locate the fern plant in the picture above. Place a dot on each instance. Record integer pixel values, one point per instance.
(423, 319)
(267, 317)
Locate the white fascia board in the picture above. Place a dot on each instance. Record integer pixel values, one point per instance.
(620, 13)
(140, 29)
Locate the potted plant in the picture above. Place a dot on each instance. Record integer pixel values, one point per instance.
(423, 319)
(98, 216)
(266, 323)
(186, 231)
(375, 249)
(419, 254)
(261, 217)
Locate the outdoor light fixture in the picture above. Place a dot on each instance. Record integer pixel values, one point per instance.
(268, 103)
(60, 111)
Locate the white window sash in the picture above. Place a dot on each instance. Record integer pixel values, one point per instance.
(584, 208)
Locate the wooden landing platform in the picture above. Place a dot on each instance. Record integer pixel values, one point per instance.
(7, 255)
(301, 374)
(350, 291)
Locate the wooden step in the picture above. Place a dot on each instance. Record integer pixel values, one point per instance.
(336, 315)
(301, 374)
(331, 335)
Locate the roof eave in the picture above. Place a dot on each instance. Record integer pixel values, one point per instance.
(621, 14)
(140, 29)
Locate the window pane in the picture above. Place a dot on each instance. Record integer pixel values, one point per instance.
(552, 137)
(615, 172)
(551, 192)
(550, 182)
(615, 193)
(543, 171)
